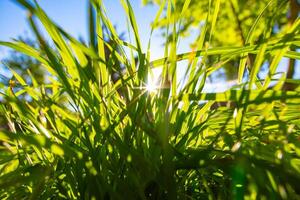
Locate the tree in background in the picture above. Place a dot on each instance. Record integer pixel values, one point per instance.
(28, 67)
(25, 65)
(235, 19)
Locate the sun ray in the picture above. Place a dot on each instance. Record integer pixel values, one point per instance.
(153, 81)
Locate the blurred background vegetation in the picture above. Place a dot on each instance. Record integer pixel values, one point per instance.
(235, 20)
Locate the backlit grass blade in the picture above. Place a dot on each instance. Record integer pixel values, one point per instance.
(249, 39)
(256, 96)
(214, 17)
(226, 51)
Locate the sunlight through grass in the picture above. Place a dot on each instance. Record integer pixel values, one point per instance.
(95, 130)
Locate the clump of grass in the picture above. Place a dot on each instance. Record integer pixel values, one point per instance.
(89, 135)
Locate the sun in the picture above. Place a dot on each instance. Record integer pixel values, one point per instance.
(153, 80)
(151, 87)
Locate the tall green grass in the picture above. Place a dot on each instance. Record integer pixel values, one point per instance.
(86, 135)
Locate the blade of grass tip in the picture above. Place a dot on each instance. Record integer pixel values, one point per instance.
(278, 56)
(153, 26)
(92, 26)
(18, 77)
(292, 54)
(101, 51)
(55, 35)
(86, 50)
(250, 35)
(214, 18)
(82, 59)
(173, 66)
(256, 67)
(27, 88)
(294, 27)
(181, 17)
(26, 49)
(28, 5)
(255, 96)
(272, 69)
(132, 66)
(184, 8)
(157, 16)
(194, 57)
(53, 60)
(83, 55)
(33, 79)
(106, 22)
(121, 57)
(249, 38)
(142, 70)
(165, 73)
(169, 68)
(227, 52)
(94, 40)
(130, 14)
(191, 55)
(114, 37)
(61, 44)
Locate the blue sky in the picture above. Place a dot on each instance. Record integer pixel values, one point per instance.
(72, 16)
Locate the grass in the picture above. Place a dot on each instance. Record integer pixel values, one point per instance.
(87, 135)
